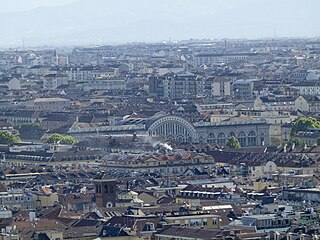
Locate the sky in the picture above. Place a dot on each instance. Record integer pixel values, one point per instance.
(91, 22)
(25, 5)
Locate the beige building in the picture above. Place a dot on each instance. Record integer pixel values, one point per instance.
(51, 104)
(148, 198)
(263, 170)
(128, 198)
(171, 164)
(260, 185)
(308, 104)
(46, 198)
(194, 219)
(274, 118)
(274, 104)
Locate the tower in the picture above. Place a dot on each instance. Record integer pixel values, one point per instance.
(105, 191)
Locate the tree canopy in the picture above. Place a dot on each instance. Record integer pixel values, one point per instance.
(58, 138)
(8, 138)
(233, 142)
(297, 141)
(303, 124)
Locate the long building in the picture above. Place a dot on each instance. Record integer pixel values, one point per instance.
(176, 163)
(250, 132)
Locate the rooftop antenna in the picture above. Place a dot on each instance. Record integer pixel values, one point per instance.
(23, 44)
(102, 41)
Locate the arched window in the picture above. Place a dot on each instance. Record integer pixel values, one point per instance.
(242, 139)
(171, 127)
(221, 139)
(231, 134)
(180, 139)
(262, 139)
(211, 138)
(252, 139)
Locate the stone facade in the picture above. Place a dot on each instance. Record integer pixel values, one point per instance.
(249, 132)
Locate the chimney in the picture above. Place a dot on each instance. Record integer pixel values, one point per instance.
(134, 137)
(165, 155)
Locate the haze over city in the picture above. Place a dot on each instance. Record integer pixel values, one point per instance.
(84, 22)
(159, 120)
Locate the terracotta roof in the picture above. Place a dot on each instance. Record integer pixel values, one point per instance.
(41, 225)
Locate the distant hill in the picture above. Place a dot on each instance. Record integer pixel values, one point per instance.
(97, 21)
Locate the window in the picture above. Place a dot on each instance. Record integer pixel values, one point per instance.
(231, 134)
(186, 222)
(221, 139)
(214, 221)
(242, 139)
(111, 189)
(252, 139)
(262, 138)
(195, 222)
(211, 138)
(205, 222)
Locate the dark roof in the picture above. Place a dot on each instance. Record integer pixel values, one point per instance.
(63, 116)
(311, 98)
(188, 232)
(306, 84)
(86, 223)
(111, 231)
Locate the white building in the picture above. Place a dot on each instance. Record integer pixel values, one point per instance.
(311, 88)
(105, 84)
(14, 84)
(221, 87)
(53, 81)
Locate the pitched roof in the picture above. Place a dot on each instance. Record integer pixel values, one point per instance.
(188, 232)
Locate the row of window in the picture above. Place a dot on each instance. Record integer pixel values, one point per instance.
(221, 139)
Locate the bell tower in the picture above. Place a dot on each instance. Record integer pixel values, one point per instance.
(105, 192)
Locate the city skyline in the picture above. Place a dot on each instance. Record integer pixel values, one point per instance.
(61, 23)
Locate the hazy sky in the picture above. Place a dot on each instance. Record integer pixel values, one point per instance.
(24, 5)
(73, 22)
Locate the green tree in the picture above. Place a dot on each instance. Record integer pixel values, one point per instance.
(8, 138)
(233, 142)
(58, 138)
(68, 140)
(55, 138)
(303, 124)
(296, 141)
